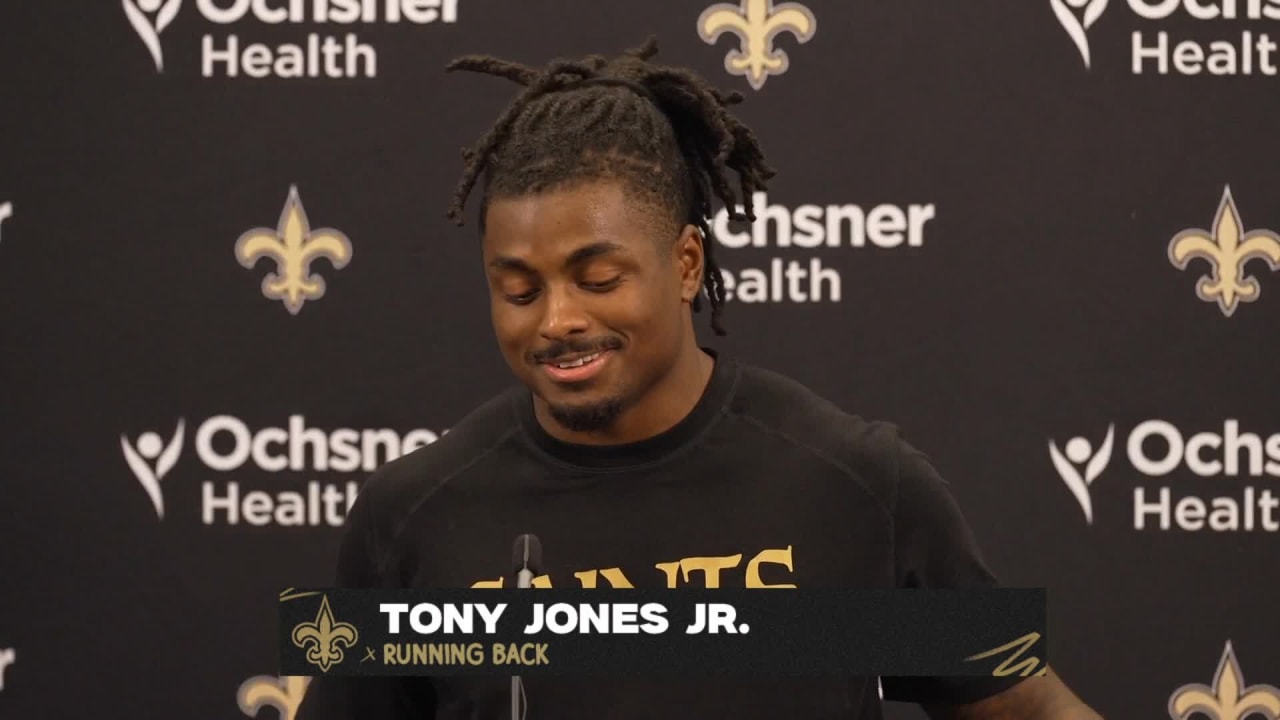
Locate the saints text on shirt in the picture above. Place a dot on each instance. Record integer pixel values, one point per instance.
(759, 571)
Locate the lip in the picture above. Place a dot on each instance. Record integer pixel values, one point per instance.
(577, 374)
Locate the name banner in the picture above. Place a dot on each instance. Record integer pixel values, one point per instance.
(971, 632)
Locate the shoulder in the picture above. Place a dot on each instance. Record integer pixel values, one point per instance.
(870, 451)
(398, 487)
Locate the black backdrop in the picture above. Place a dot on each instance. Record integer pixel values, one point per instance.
(1038, 308)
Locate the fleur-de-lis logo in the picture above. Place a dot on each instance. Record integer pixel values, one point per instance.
(756, 23)
(324, 637)
(1076, 27)
(1025, 668)
(1228, 698)
(294, 246)
(1227, 249)
(282, 693)
(165, 12)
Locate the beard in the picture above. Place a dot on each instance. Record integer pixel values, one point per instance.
(587, 417)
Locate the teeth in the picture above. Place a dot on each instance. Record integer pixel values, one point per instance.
(577, 363)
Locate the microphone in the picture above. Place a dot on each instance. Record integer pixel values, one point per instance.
(526, 558)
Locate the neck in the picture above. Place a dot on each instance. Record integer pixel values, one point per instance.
(662, 407)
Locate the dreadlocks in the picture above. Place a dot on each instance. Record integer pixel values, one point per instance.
(662, 130)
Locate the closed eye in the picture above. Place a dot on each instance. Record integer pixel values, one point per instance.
(603, 285)
(521, 299)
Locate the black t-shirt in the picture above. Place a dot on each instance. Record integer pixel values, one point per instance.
(764, 483)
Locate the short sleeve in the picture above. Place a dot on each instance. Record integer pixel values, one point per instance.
(332, 697)
(935, 548)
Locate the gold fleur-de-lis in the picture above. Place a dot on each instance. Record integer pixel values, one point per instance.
(325, 637)
(1227, 249)
(756, 23)
(1227, 698)
(282, 693)
(294, 246)
(1026, 668)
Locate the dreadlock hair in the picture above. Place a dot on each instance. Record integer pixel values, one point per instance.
(663, 131)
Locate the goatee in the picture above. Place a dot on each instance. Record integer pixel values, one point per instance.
(591, 417)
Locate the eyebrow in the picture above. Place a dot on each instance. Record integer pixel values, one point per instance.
(579, 256)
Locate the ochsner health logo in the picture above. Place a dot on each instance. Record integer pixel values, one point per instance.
(318, 469)
(6, 212)
(1079, 466)
(1077, 27)
(151, 459)
(149, 29)
(312, 54)
(1158, 449)
(1235, 41)
(8, 656)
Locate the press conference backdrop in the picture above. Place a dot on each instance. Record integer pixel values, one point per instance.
(1039, 235)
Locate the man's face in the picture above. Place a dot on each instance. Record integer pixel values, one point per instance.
(586, 299)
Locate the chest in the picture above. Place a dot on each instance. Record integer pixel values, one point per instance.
(708, 524)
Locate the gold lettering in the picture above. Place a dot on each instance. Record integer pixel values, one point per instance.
(389, 654)
(542, 581)
(512, 654)
(614, 577)
(678, 571)
(773, 557)
(669, 569)
(710, 567)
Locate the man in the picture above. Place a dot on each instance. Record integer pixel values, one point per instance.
(637, 457)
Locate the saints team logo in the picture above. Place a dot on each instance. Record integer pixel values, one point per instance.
(293, 246)
(1228, 698)
(282, 693)
(324, 638)
(756, 23)
(1226, 249)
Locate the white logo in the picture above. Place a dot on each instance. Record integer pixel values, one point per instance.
(6, 212)
(1158, 449)
(1247, 50)
(226, 444)
(1079, 454)
(1076, 27)
(150, 448)
(165, 12)
(313, 55)
(815, 228)
(8, 656)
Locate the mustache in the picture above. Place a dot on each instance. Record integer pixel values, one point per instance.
(565, 347)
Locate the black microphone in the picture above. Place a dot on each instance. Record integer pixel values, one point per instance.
(526, 557)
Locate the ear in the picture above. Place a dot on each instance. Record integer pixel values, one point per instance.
(689, 258)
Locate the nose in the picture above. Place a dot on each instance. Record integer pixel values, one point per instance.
(563, 315)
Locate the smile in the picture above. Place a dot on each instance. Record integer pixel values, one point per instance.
(577, 369)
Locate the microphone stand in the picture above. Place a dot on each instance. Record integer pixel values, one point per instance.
(527, 560)
(524, 580)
